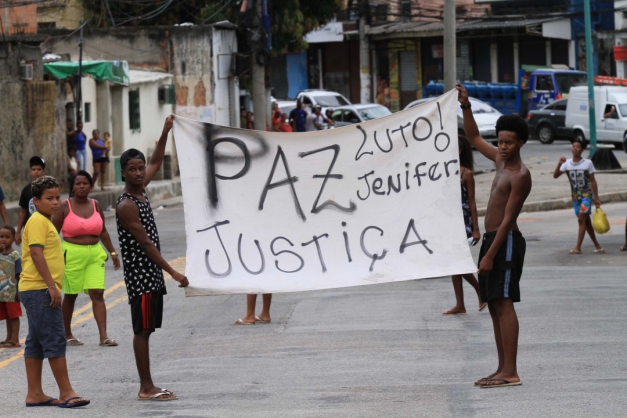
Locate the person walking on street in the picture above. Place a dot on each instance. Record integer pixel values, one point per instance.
(584, 189)
(141, 256)
(81, 221)
(27, 208)
(471, 221)
(503, 248)
(99, 157)
(80, 141)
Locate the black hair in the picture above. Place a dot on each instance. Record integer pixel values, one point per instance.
(131, 154)
(71, 149)
(10, 229)
(37, 161)
(513, 123)
(80, 173)
(43, 183)
(466, 158)
(577, 141)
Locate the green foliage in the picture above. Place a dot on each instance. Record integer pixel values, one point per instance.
(291, 19)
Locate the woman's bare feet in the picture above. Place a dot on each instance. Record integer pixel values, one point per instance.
(456, 311)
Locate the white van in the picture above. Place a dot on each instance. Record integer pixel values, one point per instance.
(611, 114)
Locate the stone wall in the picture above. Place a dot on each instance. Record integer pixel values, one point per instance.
(33, 116)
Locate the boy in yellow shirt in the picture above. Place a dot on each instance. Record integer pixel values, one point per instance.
(40, 292)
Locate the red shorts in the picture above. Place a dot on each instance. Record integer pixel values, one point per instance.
(10, 310)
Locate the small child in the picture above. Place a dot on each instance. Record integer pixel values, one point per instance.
(40, 292)
(72, 163)
(10, 269)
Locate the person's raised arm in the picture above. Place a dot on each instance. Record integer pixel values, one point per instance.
(521, 186)
(3, 213)
(58, 218)
(128, 214)
(469, 182)
(157, 156)
(470, 126)
(595, 190)
(558, 170)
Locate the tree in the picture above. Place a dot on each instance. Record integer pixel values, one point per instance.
(290, 19)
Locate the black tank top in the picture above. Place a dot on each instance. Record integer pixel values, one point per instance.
(140, 273)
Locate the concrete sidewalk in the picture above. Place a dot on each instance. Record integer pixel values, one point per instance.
(159, 191)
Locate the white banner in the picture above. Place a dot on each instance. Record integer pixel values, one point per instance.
(373, 202)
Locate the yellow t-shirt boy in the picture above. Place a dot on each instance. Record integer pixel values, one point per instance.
(40, 232)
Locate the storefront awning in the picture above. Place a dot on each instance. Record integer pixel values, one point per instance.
(331, 32)
(114, 71)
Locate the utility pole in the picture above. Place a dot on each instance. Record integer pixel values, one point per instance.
(450, 47)
(589, 69)
(364, 52)
(79, 89)
(259, 74)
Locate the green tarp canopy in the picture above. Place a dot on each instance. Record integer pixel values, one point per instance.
(114, 71)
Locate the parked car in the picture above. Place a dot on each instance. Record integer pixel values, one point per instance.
(549, 123)
(348, 115)
(611, 114)
(485, 116)
(326, 99)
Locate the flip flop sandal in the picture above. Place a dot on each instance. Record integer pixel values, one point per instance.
(571, 252)
(240, 322)
(74, 342)
(483, 306)
(10, 344)
(500, 385)
(449, 313)
(261, 320)
(623, 248)
(46, 403)
(156, 396)
(109, 342)
(600, 251)
(483, 379)
(76, 404)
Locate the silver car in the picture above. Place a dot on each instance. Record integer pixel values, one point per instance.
(485, 116)
(347, 115)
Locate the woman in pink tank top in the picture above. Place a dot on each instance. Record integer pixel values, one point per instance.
(81, 221)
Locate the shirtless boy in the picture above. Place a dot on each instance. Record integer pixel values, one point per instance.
(503, 248)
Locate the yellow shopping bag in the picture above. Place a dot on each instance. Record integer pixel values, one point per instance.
(600, 222)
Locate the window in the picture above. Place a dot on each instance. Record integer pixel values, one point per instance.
(350, 116)
(610, 112)
(544, 83)
(133, 110)
(565, 81)
(550, 107)
(307, 101)
(331, 100)
(405, 8)
(337, 116)
(87, 117)
(561, 105)
(370, 113)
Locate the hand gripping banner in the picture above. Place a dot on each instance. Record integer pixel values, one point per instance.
(374, 202)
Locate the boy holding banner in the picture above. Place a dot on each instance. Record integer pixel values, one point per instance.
(503, 248)
(143, 263)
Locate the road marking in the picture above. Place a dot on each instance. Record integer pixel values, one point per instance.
(176, 263)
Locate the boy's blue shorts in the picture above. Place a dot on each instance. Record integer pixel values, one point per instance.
(583, 205)
(46, 333)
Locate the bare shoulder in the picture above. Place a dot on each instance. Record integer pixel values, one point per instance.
(521, 179)
(127, 209)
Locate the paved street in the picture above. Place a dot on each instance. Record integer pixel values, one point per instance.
(382, 350)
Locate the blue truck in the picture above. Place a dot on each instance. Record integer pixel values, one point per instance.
(536, 88)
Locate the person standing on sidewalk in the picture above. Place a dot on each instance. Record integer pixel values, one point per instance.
(584, 190)
(82, 222)
(471, 221)
(141, 256)
(503, 248)
(27, 208)
(80, 140)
